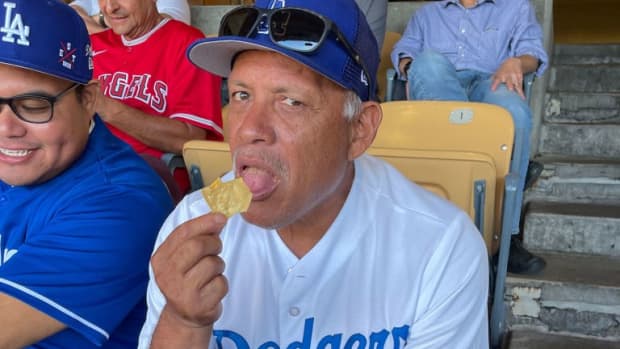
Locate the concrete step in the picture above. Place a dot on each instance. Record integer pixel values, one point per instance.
(592, 141)
(528, 339)
(575, 294)
(586, 54)
(576, 228)
(582, 108)
(577, 180)
(603, 78)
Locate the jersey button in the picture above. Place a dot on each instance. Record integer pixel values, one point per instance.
(294, 311)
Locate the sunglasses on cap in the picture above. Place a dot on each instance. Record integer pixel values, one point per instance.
(292, 28)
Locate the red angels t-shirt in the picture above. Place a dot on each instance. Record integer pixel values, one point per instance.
(153, 74)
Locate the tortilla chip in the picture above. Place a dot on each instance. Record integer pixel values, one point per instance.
(228, 197)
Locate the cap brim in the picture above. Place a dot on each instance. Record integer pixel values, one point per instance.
(35, 68)
(215, 55)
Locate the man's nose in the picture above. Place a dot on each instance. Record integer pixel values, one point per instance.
(254, 123)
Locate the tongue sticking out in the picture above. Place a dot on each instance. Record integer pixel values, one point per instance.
(260, 182)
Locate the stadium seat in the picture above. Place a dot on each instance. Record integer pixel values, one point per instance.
(205, 161)
(175, 161)
(457, 128)
(463, 149)
(436, 170)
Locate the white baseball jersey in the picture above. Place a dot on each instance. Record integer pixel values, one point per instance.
(398, 268)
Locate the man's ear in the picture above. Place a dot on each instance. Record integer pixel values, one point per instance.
(364, 128)
(89, 96)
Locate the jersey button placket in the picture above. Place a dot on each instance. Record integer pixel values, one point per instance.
(298, 283)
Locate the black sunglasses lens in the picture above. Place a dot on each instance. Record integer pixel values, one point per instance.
(297, 30)
(239, 22)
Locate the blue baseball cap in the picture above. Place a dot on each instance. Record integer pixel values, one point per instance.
(331, 59)
(46, 36)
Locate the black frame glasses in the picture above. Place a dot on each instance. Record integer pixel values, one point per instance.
(296, 29)
(33, 107)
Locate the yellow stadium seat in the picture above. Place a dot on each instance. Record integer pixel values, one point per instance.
(205, 161)
(458, 129)
(452, 148)
(466, 179)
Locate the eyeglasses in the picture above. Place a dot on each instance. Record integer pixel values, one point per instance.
(35, 108)
(295, 29)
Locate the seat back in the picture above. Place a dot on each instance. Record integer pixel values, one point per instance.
(472, 189)
(205, 161)
(470, 143)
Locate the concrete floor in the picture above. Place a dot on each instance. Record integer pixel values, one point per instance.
(537, 340)
(584, 269)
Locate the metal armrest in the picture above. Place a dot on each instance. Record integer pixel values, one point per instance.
(390, 75)
(395, 87)
(528, 82)
(173, 161)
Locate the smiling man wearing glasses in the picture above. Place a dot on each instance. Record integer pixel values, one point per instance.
(74, 246)
(337, 249)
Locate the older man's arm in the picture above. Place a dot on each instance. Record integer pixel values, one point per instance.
(167, 135)
(511, 73)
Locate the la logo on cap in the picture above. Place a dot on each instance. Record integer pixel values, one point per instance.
(277, 4)
(13, 25)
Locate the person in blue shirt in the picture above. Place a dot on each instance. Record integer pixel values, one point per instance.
(80, 210)
(479, 51)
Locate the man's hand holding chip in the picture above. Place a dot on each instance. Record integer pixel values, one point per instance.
(188, 271)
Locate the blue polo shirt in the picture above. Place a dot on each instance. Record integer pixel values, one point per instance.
(77, 247)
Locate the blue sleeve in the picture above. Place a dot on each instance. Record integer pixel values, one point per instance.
(85, 263)
(528, 37)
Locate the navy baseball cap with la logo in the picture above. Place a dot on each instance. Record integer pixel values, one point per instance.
(46, 36)
(331, 37)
